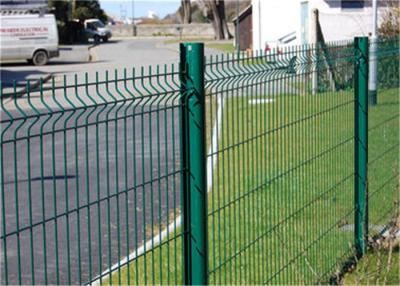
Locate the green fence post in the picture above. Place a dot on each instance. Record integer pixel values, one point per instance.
(194, 164)
(361, 143)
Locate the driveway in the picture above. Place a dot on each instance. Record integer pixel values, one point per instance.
(131, 53)
(102, 188)
(117, 54)
(71, 58)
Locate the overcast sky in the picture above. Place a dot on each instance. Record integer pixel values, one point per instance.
(141, 7)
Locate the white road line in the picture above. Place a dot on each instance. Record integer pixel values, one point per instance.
(157, 239)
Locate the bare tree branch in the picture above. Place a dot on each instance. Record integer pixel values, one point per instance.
(185, 11)
(215, 12)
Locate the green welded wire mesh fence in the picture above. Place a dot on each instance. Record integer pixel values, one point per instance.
(90, 172)
(383, 136)
(99, 182)
(282, 185)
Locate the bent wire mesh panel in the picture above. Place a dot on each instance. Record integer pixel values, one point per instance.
(90, 170)
(280, 164)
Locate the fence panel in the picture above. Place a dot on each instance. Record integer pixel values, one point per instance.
(90, 180)
(95, 172)
(280, 165)
(383, 140)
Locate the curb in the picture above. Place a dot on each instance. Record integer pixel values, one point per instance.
(92, 54)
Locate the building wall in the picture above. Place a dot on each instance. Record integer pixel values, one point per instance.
(274, 19)
(199, 30)
(245, 32)
(343, 24)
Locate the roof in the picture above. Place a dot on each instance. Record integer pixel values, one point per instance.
(244, 13)
(14, 5)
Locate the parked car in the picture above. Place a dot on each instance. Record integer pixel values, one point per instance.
(31, 37)
(96, 30)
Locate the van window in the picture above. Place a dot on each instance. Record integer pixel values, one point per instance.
(91, 26)
(98, 24)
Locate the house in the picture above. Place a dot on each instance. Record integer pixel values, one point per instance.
(244, 31)
(291, 22)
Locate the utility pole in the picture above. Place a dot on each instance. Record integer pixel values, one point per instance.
(237, 29)
(313, 35)
(373, 61)
(133, 18)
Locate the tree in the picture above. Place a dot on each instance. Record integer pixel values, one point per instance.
(81, 9)
(60, 10)
(66, 11)
(85, 9)
(82, 13)
(390, 25)
(215, 11)
(185, 11)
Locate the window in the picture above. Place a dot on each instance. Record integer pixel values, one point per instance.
(353, 4)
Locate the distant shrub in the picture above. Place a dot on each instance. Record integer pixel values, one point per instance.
(150, 21)
(390, 25)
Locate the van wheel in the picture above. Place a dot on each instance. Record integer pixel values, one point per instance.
(40, 58)
(96, 39)
(105, 39)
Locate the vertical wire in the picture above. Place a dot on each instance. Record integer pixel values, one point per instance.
(28, 155)
(77, 190)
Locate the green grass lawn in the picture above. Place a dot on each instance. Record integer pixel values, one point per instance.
(280, 210)
(223, 47)
(189, 39)
(209, 43)
(383, 167)
(377, 267)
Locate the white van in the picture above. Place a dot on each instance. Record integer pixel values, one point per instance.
(96, 30)
(31, 37)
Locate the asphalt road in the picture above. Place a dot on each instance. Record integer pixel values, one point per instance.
(134, 53)
(71, 59)
(99, 188)
(115, 54)
(102, 188)
(77, 59)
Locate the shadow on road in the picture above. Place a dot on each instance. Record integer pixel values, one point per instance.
(108, 42)
(50, 63)
(21, 77)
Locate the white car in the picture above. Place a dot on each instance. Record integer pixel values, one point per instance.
(96, 30)
(31, 37)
